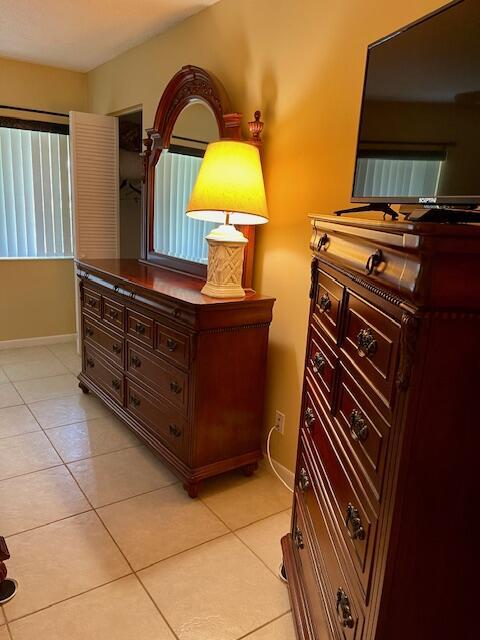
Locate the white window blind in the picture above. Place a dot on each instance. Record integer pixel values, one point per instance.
(384, 177)
(35, 209)
(175, 234)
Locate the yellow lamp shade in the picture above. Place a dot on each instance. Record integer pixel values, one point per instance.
(230, 180)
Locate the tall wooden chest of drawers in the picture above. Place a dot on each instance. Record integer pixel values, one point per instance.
(383, 545)
(184, 371)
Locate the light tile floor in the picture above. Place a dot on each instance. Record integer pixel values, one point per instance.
(106, 544)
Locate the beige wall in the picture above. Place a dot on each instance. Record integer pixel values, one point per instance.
(37, 296)
(302, 63)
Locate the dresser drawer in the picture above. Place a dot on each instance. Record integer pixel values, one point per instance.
(167, 380)
(114, 314)
(362, 430)
(171, 343)
(306, 560)
(354, 517)
(371, 342)
(167, 424)
(112, 345)
(321, 364)
(341, 608)
(102, 373)
(140, 327)
(328, 300)
(92, 302)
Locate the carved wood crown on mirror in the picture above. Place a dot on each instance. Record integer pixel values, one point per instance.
(185, 371)
(188, 86)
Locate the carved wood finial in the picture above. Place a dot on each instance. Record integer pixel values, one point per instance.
(256, 127)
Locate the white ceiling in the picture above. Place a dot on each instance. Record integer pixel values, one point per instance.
(82, 34)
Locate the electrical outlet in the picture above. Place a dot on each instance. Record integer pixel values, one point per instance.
(279, 421)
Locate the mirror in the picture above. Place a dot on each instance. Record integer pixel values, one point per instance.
(194, 110)
(175, 234)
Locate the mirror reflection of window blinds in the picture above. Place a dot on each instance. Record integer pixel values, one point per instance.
(384, 177)
(175, 234)
(35, 203)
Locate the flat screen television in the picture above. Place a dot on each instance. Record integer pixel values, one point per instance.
(419, 133)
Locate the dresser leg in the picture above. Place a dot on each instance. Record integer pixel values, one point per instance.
(192, 488)
(249, 469)
(83, 387)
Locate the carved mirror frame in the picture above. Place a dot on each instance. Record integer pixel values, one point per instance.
(190, 84)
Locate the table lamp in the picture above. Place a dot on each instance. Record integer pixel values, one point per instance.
(229, 189)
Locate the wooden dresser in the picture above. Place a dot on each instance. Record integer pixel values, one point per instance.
(186, 372)
(383, 540)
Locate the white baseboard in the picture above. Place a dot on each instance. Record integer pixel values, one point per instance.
(287, 475)
(37, 342)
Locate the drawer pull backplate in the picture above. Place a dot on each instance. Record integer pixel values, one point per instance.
(354, 523)
(358, 426)
(343, 609)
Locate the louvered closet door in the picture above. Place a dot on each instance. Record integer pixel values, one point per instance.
(94, 169)
(95, 189)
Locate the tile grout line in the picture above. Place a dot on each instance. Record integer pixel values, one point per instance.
(133, 571)
(250, 633)
(28, 473)
(120, 551)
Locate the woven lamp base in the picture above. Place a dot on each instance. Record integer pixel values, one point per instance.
(225, 267)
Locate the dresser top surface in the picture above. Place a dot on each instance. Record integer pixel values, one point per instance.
(171, 284)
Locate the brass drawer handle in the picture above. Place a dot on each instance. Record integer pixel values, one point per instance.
(175, 431)
(140, 328)
(88, 332)
(319, 363)
(134, 400)
(303, 479)
(171, 344)
(175, 387)
(135, 361)
(117, 348)
(366, 343)
(358, 426)
(356, 531)
(325, 303)
(343, 609)
(298, 538)
(90, 363)
(113, 314)
(92, 302)
(116, 384)
(374, 261)
(309, 417)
